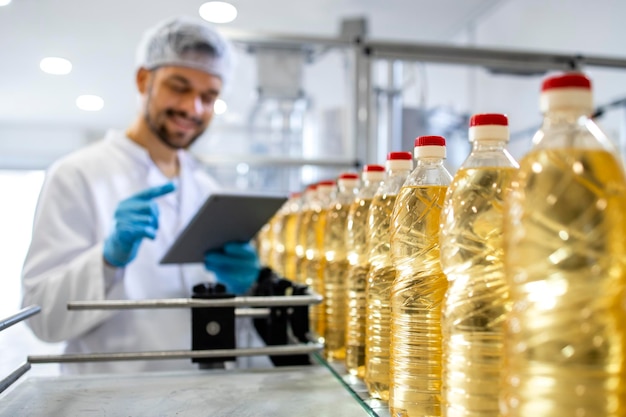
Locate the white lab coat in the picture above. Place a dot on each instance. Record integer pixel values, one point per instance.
(64, 263)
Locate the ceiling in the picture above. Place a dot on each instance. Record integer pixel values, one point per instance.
(99, 38)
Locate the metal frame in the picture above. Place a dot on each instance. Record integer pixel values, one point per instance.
(260, 301)
(5, 324)
(362, 52)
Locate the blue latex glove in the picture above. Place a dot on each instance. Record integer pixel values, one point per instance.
(236, 266)
(136, 218)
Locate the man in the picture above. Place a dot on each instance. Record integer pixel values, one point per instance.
(108, 212)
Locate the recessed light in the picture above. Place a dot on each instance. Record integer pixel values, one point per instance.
(55, 65)
(218, 12)
(220, 106)
(90, 102)
(4, 2)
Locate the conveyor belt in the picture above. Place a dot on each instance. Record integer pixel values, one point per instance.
(294, 391)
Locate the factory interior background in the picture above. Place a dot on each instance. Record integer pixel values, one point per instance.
(271, 136)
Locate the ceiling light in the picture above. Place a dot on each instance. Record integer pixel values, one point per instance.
(220, 106)
(217, 12)
(4, 2)
(90, 102)
(55, 65)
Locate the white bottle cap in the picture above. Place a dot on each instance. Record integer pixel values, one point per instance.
(399, 161)
(494, 126)
(348, 180)
(571, 90)
(430, 147)
(373, 173)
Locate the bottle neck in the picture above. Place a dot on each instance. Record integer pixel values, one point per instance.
(488, 145)
(429, 161)
(398, 172)
(557, 117)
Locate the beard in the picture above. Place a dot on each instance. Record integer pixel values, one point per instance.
(173, 140)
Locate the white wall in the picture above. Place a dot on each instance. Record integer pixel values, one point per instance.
(576, 27)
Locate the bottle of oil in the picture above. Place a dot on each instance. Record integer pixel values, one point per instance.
(381, 275)
(290, 235)
(283, 238)
(334, 272)
(303, 222)
(264, 243)
(418, 290)
(358, 260)
(565, 252)
(472, 258)
(314, 254)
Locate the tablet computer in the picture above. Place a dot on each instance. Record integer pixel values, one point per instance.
(224, 217)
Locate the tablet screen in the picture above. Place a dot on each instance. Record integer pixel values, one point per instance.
(222, 218)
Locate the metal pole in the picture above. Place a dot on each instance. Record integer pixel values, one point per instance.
(268, 301)
(502, 60)
(14, 376)
(252, 312)
(365, 141)
(176, 354)
(19, 316)
(394, 127)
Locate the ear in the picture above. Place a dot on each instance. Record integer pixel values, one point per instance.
(142, 79)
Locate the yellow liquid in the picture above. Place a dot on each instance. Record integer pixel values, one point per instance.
(310, 233)
(476, 303)
(416, 300)
(335, 282)
(356, 242)
(378, 292)
(290, 259)
(318, 312)
(277, 233)
(302, 223)
(265, 243)
(565, 341)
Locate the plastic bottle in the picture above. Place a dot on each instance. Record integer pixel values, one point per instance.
(265, 244)
(284, 238)
(314, 254)
(335, 267)
(565, 255)
(472, 258)
(418, 290)
(358, 260)
(381, 275)
(302, 225)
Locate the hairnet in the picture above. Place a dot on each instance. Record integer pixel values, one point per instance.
(186, 42)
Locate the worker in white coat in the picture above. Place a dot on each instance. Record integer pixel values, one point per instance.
(108, 212)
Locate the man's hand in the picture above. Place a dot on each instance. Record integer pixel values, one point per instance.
(236, 266)
(136, 218)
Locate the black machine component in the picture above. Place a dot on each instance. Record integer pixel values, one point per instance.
(212, 327)
(285, 324)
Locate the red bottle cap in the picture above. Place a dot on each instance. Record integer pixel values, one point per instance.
(349, 176)
(573, 79)
(373, 168)
(393, 156)
(489, 119)
(430, 141)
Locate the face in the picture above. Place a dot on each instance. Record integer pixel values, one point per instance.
(178, 103)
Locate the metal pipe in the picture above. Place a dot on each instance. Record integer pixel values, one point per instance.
(23, 314)
(275, 40)
(256, 160)
(14, 376)
(495, 59)
(252, 312)
(394, 103)
(265, 301)
(176, 354)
